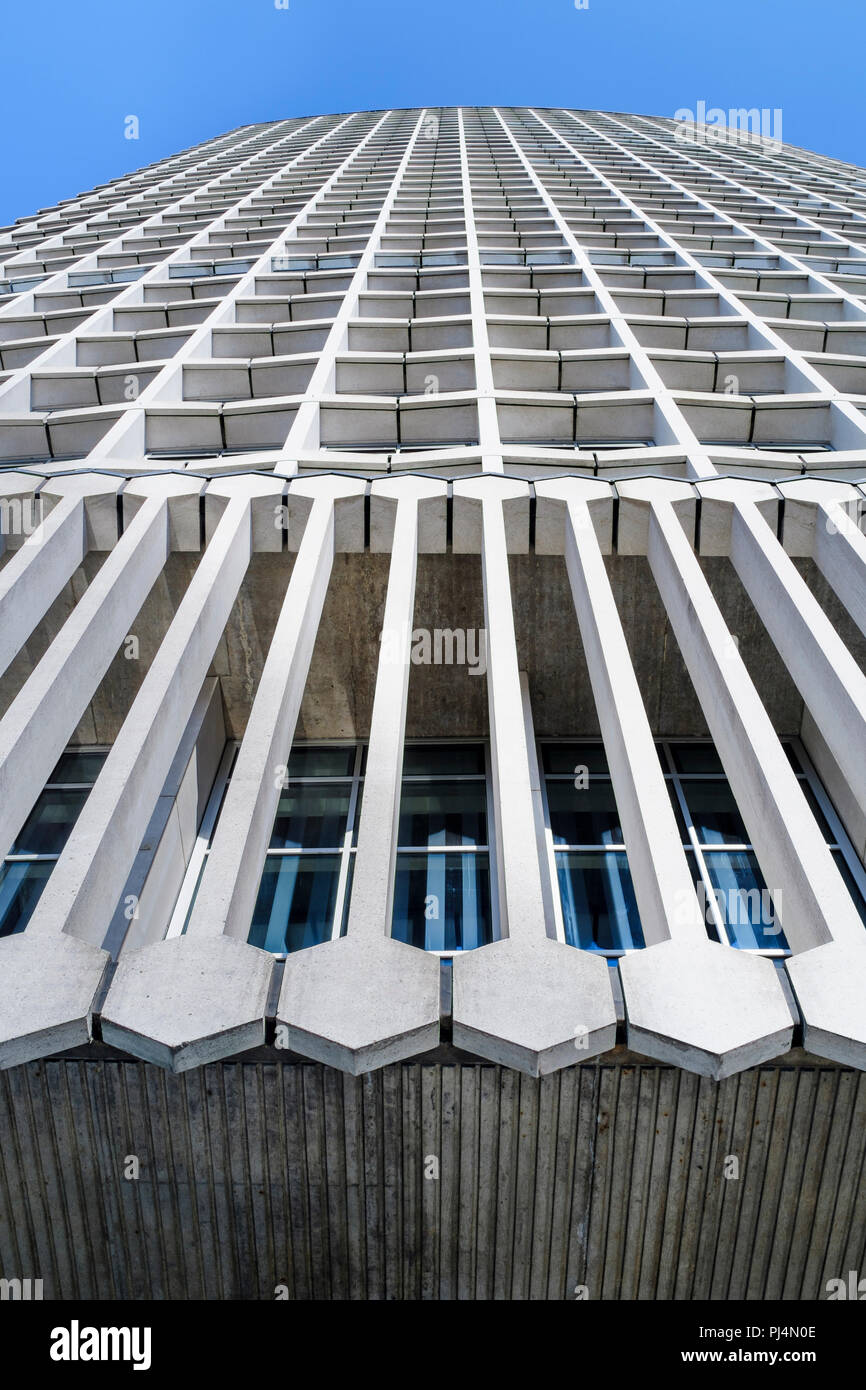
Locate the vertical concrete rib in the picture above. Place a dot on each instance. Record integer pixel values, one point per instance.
(840, 554)
(81, 896)
(365, 1000)
(526, 1000)
(38, 572)
(811, 901)
(488, 420)
(42, 718)
(305, 432)
(689, 1001)
(226, 895)
(823, 669)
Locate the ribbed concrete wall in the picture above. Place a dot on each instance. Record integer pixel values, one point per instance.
(608, 1175)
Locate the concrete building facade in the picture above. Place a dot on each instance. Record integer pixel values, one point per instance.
(433, 716)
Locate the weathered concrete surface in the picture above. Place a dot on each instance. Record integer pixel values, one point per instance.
(613, 1177)
(47, 989)
(533, 1004)
(830, 987)
(704, 1006)
(184, 1002)
(335, 1010)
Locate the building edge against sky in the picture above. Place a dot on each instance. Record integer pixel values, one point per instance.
(432, 714)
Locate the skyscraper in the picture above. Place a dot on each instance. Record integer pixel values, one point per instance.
(433, 716)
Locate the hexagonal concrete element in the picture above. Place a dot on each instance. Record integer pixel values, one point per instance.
(188, 1001)
(829, 983)
(704, 1007)
(47, 987)
(536, 1006)
(360, 1003)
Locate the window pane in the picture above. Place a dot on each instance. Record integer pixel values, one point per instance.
(443, 813)
(442, 901)
(598, 902)
(312, 816)
(296, 901)
(696, 757)
(818, 813)
(48, 826)
(714, 813)
(745, 904)
(194, 896)
(443, 760)
(587, 816)
(79, 765)
(565, 757)
(20, 889)
(850, 884)
(792, 757)
(321, 762)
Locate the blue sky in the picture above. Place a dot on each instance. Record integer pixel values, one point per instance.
(190, 69)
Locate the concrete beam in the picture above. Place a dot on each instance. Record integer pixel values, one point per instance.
(37, 572)
(830, 681)
(365, 1000)
(38, 724)
(81, 895)
(810, 897)
(679, 990)
(528, 1000)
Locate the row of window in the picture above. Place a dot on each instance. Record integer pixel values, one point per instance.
(445, 880)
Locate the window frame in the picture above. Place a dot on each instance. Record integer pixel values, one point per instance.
(841, 843)
(31, 858)
(347, 849)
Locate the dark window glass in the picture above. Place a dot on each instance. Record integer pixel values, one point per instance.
(696, 757)
(321, 762)
(295, 905)
(443, 813)
(585, 815)
(792, 757)
(49, 824)
(714, 813)
(745, 905)
(442, 901)
(565, 757)
(78, 765)
(598, 903)
(850, 884)
(443, 760)
(21, 886)
(312, 817)
(818, 813)
(45, 833)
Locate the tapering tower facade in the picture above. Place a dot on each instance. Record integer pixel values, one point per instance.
(433, 715)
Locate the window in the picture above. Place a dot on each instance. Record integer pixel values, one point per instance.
(445, 884)
(597, 907)
(40, 842)
(442, 898)
(442, 893)
(305, 883)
